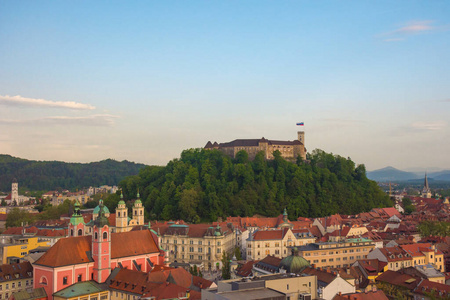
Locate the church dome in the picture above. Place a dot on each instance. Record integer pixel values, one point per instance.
(97, 208)
(294, 263)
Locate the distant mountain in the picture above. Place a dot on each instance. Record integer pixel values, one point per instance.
(51, 175)
(391, 174)
(441, 175)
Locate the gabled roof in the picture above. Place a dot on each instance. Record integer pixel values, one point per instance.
(396, 278)
(325, 276)
(10, 272)
(76, 250)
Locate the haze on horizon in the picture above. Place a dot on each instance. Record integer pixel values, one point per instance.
(84, 81)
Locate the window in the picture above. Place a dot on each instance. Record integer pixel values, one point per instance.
(218, 250)
(199, 242)
(200, 249)
(200, 257)
(191, 249)
(19, 284)
(65, 280)
(7, 286)
(324, 260)
(118, 214)
(80, 232)
(267, 245)
(218, 243)
(79, 278)
(174, 241)
(191, 242)
(105, 235)
(1, 287)
(95, 236)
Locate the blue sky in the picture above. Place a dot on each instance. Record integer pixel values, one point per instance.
(143, 80)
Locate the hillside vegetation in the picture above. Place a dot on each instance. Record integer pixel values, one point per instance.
(206, 184)
(51, 175)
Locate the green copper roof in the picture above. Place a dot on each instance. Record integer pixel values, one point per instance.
(97, 208)
(76, 218)
(294, 263)
(138, 201)
(101, 220)
(79, 289)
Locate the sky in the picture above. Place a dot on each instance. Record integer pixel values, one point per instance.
(83, 81)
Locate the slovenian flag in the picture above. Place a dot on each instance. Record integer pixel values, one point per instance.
(300, 124)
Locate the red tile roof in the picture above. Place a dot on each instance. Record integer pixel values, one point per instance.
(74, 250)
(377, 295)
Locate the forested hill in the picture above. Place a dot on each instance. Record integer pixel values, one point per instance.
(51, 175)
(205, 184)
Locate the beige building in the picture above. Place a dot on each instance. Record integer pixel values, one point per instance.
(336, 254)
(15, 278)
(262, 243)
(277, 286)
(289, 149)
(200, 244)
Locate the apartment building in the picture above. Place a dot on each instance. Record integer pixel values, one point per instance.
(336, 254)
(200, 244)
(15, 278)
(276, 242)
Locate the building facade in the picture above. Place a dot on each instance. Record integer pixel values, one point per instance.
(289, 149)
(336, 254)
(200, 244)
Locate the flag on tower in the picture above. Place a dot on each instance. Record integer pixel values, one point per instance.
(301, 124)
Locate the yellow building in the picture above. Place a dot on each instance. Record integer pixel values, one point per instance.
(336, 254)
(425, 254)
(16, 247)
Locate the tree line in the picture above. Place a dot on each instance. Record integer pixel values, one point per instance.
(54, 175)
(203, 185)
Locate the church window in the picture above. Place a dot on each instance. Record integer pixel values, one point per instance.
(71, 232)
(105, 235)
(118, 214)
(79, 278)
(42, 281)
(95, 235)
(80, 232)
(65, 280)
(141, 212)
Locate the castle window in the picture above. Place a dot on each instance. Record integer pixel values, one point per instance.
(105, 235)
(80, 232)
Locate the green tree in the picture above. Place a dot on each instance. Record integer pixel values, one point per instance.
(237, 253)
(18, 217)
(226, 266)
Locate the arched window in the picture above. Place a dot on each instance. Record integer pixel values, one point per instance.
(71, 232)
(95, 236)
(119, 214)
(80, 232)
(105, 235)
(135, 212)
(43, 280)
(141, 212)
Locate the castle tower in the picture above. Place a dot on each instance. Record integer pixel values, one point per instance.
(138, 211)
(426, 192)
(76, 224)
(301, 136)
(15, 192)
(121, 216)
(101, 247)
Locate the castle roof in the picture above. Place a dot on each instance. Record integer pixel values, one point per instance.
(77, 250)
(256, 142)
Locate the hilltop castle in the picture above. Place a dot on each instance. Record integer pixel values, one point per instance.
(289, 150)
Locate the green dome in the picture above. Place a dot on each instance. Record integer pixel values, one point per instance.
(137, 202)
(97, 208)
(294, 263)
(121, 202)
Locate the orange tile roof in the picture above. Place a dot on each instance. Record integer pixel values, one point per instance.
(377, 295)
(74, 250)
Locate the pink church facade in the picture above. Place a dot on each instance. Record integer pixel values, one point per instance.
(82, 258)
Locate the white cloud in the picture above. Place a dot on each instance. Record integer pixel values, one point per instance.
(22, 101)
(437, 125)
(410, 28)
(93, 120)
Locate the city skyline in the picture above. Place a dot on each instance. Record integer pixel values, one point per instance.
(140, 81)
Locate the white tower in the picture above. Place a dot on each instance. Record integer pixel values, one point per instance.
(15, 192)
